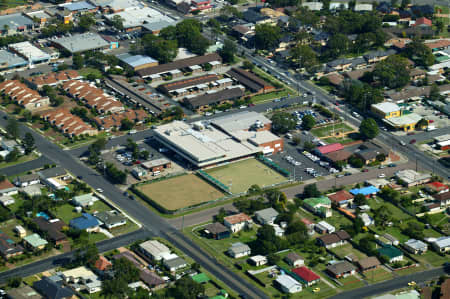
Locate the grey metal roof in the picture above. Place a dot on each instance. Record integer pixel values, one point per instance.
(10, 60)
(82, 42)
(52, 172)
(15, 21)
(75, 6)
(157, 26)
(135, 60)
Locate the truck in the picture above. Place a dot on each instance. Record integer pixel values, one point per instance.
(430, 128)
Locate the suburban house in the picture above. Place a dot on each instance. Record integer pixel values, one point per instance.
(110, 219)
(20, 231)
(294, 260)
(237, 222)
(53, 228)
(153, 249)
(341, 198)
(288, 284)
(306, 276)
(102, 264)
(82, 279)
(34, 242)
(33, 190)
(266, 216)
(8, 248)
(368, 263)
(319, 205)
(411, 178)
(366, 219)
(216, 231)
(7, 200)
(415, 246)
(157, 165)
(6, 188)
(238, 250)
(441, 244)
(443, 199)
(392, 253)
(324, 227)
(151, 279)
(84, 200)
(85, 222)
(26, 180)
(309, 225)
(436, 187)
(174, 263)
(387, 239)
(257, 260)
(335, 239)
(51, 289)
(55, 177)
(341, 269)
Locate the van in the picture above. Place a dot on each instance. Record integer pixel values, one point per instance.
(355, 114)
(156, 173)
(289, 136)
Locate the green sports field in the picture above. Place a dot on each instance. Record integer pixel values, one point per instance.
(239, 176)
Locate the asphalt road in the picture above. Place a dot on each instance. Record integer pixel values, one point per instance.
(393, 284)
(62, 259)
(27, 166)
(157, 225)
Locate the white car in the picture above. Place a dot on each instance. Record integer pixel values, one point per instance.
(99, 190)
(381, 175)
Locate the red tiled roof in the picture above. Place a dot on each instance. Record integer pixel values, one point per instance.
(443, 43)
(437, 186)
(238, 218)
(423, 21)
(102, 263)
(306, 221)
(305, 274)
(340, 196)
(325, 149)
(6, 184)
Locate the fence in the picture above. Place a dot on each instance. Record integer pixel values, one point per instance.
(214, 181)
(274, 165)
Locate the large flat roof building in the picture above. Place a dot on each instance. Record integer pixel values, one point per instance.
(82, 42)
(10, 60)
(137, 62)
(135, 17)
(15, 23)
(30, 52)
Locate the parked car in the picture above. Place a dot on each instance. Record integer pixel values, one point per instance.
(365, 170)
(412, 141)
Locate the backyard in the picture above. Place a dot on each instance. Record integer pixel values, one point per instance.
(239, 176)
(180, 192)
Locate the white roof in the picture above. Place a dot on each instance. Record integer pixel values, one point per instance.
(416, 244)
(407, 119)
(444, 143)
(258, 258)
(154, 247)
(29, 51)
(326, 225)
(240, 121)
(442, 138)
(79, 272)
(313, 5)
(287, 281)
(363, 7)
(442, 242)
(82, 42)
(137, 16)
(410, 176)
(386, 107)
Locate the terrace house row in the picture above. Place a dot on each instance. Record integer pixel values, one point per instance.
(71, 125)
(92, 96)
(24, 96)
(52, 79)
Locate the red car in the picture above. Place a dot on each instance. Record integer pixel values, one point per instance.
(365, 170)
(412, 141)
(410, 133)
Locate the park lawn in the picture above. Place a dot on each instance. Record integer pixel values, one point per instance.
(338, 220)
(338, 140)
(7, 227)
(393, 231)
(377, 275)
(99, 206)
(22, 159)
(87, 71)
(328, 130)
(269, 96)
(18, 202)
(432, 258)
(66, 212)
(351, 282)
(431, 233)
(343, 251)
(180, 192)
(396, 212)
(243, 174)
(129, 227)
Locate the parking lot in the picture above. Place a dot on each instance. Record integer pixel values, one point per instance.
(438, 119)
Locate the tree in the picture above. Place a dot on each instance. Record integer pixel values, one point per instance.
(114, 288)
(355, 161)
(393, 72)
(303, 56)
(248, 65)
(311, 191)
(77, 61)
(28, 143)
(126, 269)
(369, 128)
(362, 95)
(367, 245)
(12, 128)
(359, 200)
(227, 51)
(439, 25)
(267, 36)
(186, 287)
(382, 216)
(222, 214)
(435, 93)
(309, 146)
(126, 124)
(308, 122)
(14, 282)
(337, 45)
(418, 52)
(117, 22)
(422, 123)
(405, 3)
(85, 22)
(283, 122)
